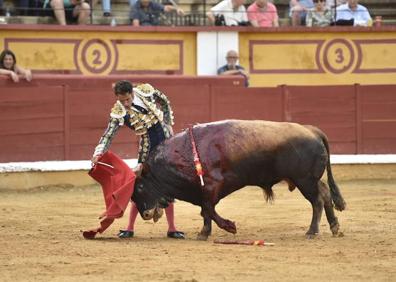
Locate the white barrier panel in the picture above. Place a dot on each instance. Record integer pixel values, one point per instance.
(362, 159)
(212, 48)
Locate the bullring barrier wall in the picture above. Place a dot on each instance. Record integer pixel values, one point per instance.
(273, 56)
(61, 117)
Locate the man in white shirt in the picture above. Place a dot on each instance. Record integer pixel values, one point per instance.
(234, 12)
(352, 10)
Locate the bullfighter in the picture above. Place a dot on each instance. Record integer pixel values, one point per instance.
(146, 111)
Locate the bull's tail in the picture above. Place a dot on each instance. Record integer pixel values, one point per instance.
(335, 192)
(268, 194)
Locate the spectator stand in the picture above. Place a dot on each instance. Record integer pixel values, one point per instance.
(195, 12)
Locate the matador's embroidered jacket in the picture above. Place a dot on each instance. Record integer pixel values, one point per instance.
(150, 116)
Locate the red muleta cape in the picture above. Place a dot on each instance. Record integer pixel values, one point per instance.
(117, 185)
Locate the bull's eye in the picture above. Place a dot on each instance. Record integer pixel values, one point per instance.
(139, 188)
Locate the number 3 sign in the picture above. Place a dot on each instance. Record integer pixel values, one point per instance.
(338, 56)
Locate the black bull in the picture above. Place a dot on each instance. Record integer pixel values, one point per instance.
(235, 154)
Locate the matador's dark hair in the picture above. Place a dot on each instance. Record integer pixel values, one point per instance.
(122, 87)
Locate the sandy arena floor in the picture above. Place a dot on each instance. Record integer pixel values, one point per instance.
(41, 241)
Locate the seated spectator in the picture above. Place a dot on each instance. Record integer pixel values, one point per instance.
(147, 12)
(231, 68)
(298, 11)
(354, 12)
(69, 11)
(320, 15)
(262, 13)
(228, 12)
(9, 67)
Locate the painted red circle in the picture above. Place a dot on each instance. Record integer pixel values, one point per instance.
(84, 56)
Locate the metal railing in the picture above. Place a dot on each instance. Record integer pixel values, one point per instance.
(194, 18)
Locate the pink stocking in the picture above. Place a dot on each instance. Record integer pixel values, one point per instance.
(170, 217)
(132, 217)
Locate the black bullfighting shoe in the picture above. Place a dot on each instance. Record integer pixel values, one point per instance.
(176, 235)
(125, 234)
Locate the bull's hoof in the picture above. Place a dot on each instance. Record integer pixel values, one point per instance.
(310, 236)
(229, 226)
(334, 227)
(202, 237)
(339, 235)
(312, 233)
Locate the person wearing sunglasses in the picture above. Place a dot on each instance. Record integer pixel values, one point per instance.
(319, 15)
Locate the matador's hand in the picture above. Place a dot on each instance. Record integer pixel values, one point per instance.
(95, 160)
(138, 169)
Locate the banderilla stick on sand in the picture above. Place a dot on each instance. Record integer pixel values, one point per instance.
(244, 242)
